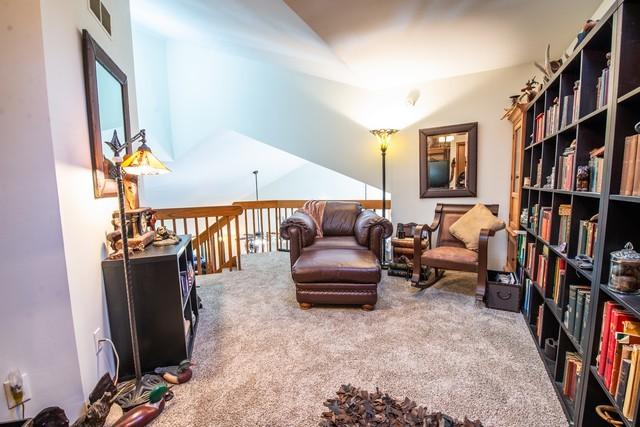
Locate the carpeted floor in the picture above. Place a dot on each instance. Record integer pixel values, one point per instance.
(261, 361)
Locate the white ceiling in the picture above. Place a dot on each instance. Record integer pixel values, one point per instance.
(374, 43)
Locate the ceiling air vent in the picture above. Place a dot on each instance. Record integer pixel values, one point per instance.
(101, 13)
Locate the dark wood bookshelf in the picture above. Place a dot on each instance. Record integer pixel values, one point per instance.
(598, 124)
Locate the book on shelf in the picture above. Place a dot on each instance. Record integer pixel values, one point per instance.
(538, 183)
(625, 367)
(587, 236)
(559, 277)
(531, 259)
(622, 351)
(564, 212)
(543, 261)
(565, 167)
(585, 320)
(528, 284)
(567, 111)
(539, 127)
(551, 118)
(539, 321)
(522, 246)
(572, 374)
(533, 216)
(631, 392)
(572, 316)
(575, 115)
(596, 168)
(617, 318)
(630, 177)
(544, 230)
(581, 295)
(604, 336)
(602, 85)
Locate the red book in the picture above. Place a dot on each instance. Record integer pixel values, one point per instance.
(617, 316)
(604, 337)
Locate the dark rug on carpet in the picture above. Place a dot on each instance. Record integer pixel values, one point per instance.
(355, 407)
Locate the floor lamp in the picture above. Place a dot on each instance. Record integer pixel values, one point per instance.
(141, 162)
(384, 139)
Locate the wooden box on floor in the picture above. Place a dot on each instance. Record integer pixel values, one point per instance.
(166, 312)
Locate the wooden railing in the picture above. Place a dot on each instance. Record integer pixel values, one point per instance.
(221, 234)
(261, 221)
(215, 234)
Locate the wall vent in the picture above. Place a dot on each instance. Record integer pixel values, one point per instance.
(100, 11)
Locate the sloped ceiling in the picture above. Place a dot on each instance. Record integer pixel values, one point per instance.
(388, 41)
(374, 43)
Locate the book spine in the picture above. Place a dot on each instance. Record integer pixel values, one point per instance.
(604, 337)
(572, 307)
(585, 319)
(625, 366)
(635, 188)
(577, 324)
(631, 168)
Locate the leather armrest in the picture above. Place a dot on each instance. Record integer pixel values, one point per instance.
(303, 223)
(365, 223)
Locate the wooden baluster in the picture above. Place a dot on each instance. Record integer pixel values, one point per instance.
(262, 231)
(220, 248)
(237, 220)
(173, 221)
(214, 250)
(210, 258)
(162, 222)
(245, 214)
(269, 227)
(277, 228)
(198, 247)
(229, 243)
(253, 232)
(184, 225)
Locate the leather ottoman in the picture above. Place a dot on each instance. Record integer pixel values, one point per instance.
(337, 276)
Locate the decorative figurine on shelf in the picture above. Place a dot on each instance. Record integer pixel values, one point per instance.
(586, 29)
(176, 374)
(165, 237)
(625, 270)
(582, 178)
(550, 66)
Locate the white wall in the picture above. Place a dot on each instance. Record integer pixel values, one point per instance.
(475, 98)
(36, 332)
(84, 218)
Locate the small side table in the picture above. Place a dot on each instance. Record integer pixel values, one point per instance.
(402, 249)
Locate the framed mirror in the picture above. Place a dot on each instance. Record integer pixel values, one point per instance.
(448, 161)
(108, 111)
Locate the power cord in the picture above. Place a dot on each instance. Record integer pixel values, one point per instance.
(115, 353)
(22, 408)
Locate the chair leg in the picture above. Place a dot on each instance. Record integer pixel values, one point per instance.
(431, 280)
(481, 287)
(306, 305)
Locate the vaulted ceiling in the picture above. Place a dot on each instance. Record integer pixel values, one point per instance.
(374, 43)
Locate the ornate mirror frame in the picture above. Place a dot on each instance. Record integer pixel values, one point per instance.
(472, 159)
(103, 185)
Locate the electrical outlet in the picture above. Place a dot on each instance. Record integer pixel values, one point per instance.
(15, 398)
(97, 336)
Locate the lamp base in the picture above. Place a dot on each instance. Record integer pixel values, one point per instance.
(133, 393)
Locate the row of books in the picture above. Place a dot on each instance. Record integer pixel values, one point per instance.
(559, 277)
(544, 230)
(522, 246)
(538, 181)
(596, 169)
(531, 259)
(564, 213)
(528, 287)
(565, 167)
(630, 181)
(618, 360)
(572, 375)
(543, 266)
(569, 107)
(576, 313)
(602, 86)
(538, 134)
(533, 216)
(587, 235)
(552, 118)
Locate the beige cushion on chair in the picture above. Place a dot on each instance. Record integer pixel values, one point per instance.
(467, 228)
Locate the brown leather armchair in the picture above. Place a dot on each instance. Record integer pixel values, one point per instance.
(343, 266)
(450, 253)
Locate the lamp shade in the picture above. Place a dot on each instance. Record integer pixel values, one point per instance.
(384, 137)
(143, 162)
